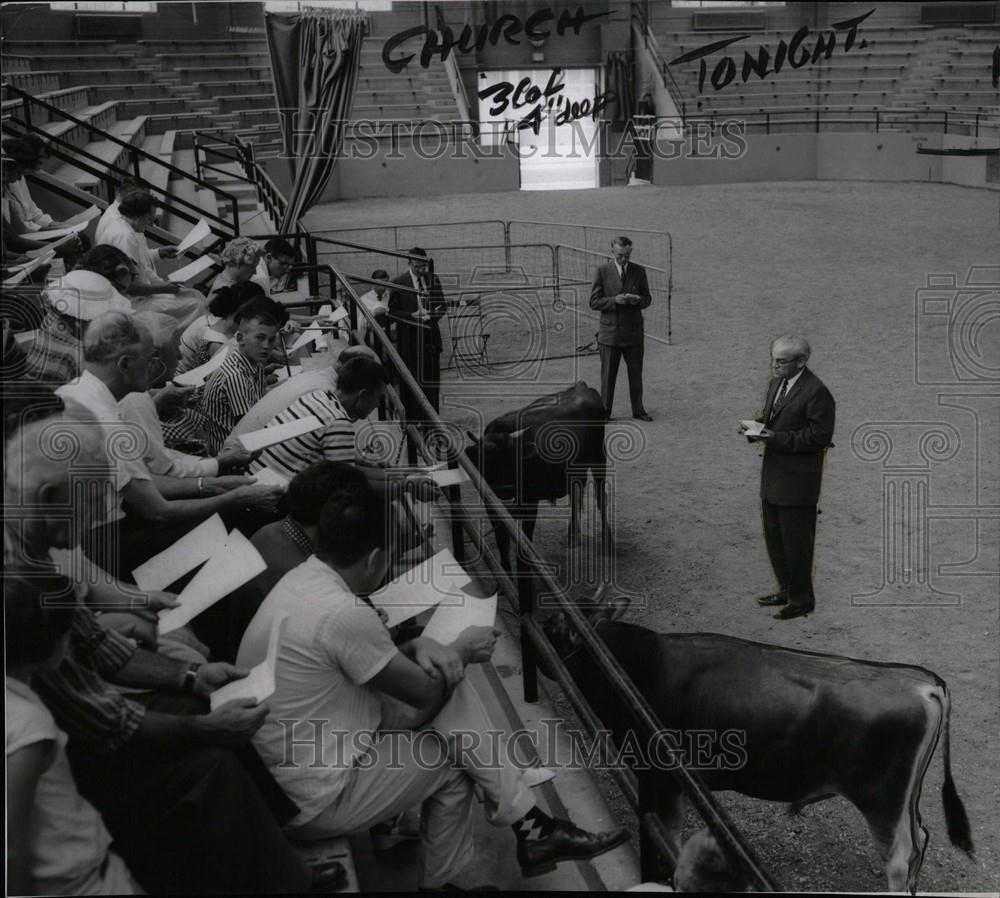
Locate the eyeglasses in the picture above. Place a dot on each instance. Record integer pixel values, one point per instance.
(789, 361)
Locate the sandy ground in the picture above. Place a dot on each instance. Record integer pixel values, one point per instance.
(839, 263)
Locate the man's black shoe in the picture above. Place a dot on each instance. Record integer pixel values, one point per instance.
(643, 416)
(565, 843)
(330, 876)
(790, 612)
(773, 601)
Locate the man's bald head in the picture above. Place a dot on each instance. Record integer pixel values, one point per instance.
(790, 345)
(112, 335)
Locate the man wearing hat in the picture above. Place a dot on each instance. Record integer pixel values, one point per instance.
(54, 352)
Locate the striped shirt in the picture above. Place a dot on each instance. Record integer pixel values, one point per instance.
(52, 354)
(83, 704)
(334, 441)
(236, 387)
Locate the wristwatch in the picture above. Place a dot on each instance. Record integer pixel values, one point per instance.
(190, 676)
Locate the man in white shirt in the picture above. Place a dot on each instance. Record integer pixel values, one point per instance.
(274, 265)
(361, 730)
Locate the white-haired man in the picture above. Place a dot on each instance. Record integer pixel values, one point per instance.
(798, 418)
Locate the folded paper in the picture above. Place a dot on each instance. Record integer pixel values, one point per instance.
(191, 550)
(437, 580)
(259, 684)
(279, 433)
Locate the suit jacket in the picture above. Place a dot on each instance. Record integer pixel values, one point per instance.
(803, 430)
(414, 337)
(620, 325)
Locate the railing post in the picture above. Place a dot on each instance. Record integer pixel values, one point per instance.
(817, 119)
(977, 124)
(197, 156)
(946, 121)
(767, 122)
(26, 105)
(876, 121)
(649, 867)
(526, 606)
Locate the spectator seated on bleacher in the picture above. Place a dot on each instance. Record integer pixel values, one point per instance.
(207, 334)
(146, 512)
(119, 270)
(21, 217)
(54, 352)
(375, 301)
(338, 664)
(67, 848)
(240, 257)
(242, 379)
(185, 799)
(111, 214)
(274, 266)
(137, 214)
(353, 394)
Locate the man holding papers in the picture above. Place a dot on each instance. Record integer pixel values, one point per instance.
(796, 429)
(327, 741)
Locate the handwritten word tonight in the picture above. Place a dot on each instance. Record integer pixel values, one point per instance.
(794, 52)
(507, 27)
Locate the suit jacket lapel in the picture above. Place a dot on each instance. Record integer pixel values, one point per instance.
(798, 391)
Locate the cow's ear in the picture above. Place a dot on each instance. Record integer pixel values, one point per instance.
(618, 605)
(473, 440)
(517, 434)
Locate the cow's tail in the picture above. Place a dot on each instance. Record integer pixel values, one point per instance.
(957, 821)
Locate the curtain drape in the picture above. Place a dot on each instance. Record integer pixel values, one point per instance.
(618, 80)
(315, 58)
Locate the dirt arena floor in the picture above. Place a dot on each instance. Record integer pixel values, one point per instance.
(839, 263)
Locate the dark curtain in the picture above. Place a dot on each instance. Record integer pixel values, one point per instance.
(315, 57)
(618, 80)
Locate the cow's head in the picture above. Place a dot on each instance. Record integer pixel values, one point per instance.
(563, 636)
(499, 457)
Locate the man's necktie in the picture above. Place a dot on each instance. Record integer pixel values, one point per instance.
(779, 398)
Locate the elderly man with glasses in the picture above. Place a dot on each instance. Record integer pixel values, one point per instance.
(796, 430)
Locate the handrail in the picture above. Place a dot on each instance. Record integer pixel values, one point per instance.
(454, 73)
(815, 117)
(653, 47)
(532, 566)
(135, 152)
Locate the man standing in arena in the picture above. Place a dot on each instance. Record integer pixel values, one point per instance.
(619, 292)
(798, 420)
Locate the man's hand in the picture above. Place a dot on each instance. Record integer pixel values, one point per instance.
(216, 486)
(138, 625)
(168, 252)
(621, 299)
(476, 644)
(258, 497)
(233, 455)
(155, 600)
(211, 676)
(172, 398)
(437, 660)
(232, 723)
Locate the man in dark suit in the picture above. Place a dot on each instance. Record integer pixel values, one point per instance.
(416, 304)
(798, 420)
(619, 292)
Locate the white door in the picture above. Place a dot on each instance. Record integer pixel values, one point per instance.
(563, 155)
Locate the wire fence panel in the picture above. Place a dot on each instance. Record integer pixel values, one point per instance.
(576, 268)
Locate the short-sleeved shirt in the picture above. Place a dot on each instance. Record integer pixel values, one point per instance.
(333, 644)
(68, 839)
(235, 388)
(334, 441)
(140, 409)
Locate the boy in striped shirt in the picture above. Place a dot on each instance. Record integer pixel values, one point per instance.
(241, 381)
(356, 393)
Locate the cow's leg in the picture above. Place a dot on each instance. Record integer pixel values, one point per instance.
(502, 538)
(577, 490)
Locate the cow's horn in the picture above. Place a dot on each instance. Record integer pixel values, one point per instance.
(599, 594)
(517, 434)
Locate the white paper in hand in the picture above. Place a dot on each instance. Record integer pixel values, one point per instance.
(259, 683)
(270, 436)
(439, 579)
(197, 376)
(448, 477)
(55, 233)
(198, 233)
(84, 216)
(311, 334)
(192, 270)
(753, 428)
(449, 621)
(236, 563)
(270, 477)
(192, 549)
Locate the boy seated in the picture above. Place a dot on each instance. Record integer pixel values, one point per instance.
(241, 380)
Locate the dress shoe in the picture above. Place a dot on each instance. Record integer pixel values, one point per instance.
(792, 611)
(773, 601)
(566, 842)
(643, 416)
(329, 876)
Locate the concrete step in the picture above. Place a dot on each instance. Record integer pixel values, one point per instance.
(108, 153)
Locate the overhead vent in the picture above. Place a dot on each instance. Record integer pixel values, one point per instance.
(750, 20)
(958, 13)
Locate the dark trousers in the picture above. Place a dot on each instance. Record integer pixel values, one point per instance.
(611, 357)
(195, 820)
(790, 534)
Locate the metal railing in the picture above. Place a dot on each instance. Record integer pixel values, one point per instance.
(454, 73)
(104, 170)
(641, 19)
(520, 592)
